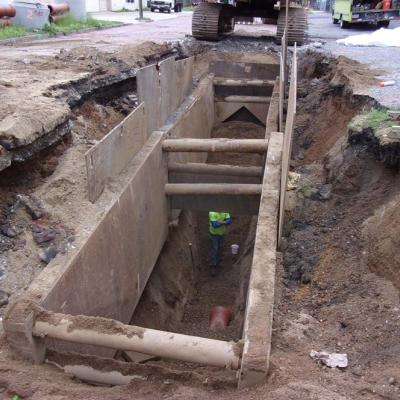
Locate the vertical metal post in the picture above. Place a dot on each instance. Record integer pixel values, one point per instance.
(140, 9)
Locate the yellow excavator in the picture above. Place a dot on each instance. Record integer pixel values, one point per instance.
(213, 18)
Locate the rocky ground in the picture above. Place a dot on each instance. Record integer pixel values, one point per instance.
(338, 286)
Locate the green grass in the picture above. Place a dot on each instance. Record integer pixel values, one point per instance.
(123, 9)
(68, 24)
(374, 119)
(9, 32)
(65, 25)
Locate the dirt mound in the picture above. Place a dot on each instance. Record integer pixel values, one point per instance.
(382, 233)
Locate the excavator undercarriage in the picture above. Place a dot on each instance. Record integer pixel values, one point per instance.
(212, 19)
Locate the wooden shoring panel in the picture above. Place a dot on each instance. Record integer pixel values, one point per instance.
(258, 319)
(287, 146)
(114, 151)
(108, 273)
(243, 205)
(224, 110)
(222, 91)
(168, 88)
(281, 94)
(243, 70)
(272, 124)
(184, 78)
(149, 93)
(163, 88)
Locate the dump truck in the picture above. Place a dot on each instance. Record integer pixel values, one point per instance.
(379, 13)
(212, 18)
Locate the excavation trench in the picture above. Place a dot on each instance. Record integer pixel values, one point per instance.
(178, 293)
(159, 222)
(181, 292)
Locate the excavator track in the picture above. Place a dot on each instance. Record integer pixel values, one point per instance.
(210, 20)
(297, 25)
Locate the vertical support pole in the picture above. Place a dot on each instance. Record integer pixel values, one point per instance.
(287, 145)
(140, 9)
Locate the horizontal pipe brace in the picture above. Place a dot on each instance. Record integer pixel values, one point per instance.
(244, 99)
(216, 145)
(116, 335)
(243, 82)
(229, 189)
(214, 169)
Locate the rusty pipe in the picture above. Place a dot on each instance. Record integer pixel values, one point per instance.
(7, 11)
(56, 9)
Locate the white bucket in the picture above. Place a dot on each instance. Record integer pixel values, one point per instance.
(234, 249)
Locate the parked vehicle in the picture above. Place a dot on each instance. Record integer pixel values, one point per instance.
(165, 5)
(379, 13)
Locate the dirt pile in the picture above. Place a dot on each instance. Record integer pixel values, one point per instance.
(35, 112)
(339, 244)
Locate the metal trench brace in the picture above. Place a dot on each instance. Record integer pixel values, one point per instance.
(28, 325)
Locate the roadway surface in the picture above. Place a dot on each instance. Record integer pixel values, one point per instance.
(174, 27)
(386, 59)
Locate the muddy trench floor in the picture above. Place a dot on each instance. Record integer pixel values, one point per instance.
(224, 288)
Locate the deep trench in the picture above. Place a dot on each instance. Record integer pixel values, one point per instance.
(181, 292)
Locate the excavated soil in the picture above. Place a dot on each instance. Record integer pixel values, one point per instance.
(337, 285)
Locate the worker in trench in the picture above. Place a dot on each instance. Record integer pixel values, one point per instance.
(217, 223)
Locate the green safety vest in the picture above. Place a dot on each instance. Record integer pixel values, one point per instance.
(217, 216)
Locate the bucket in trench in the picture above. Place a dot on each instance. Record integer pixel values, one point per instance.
(234, 249)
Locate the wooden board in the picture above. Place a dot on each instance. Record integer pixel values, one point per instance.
(114, 151)
(168, 89)
(257, 330)
(195, 121)
(281, 94)
(223, 110)
(184, 78)
(149, 93)
(272, 124)
(162, 88)
(287, 145)
(109, 272)
(241, 70)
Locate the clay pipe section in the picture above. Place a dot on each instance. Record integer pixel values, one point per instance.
(116, 335)
(220, 317)
(7, 11)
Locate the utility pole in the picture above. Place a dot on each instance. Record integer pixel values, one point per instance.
(140, 10)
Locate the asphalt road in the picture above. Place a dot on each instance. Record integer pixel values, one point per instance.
(173, 28)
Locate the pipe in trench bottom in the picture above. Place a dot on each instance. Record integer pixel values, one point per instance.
(148, 341)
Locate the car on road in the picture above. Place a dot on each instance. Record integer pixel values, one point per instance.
(165, 5)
